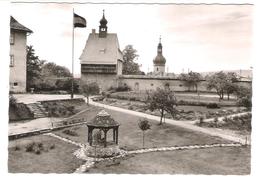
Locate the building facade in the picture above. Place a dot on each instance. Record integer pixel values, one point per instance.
(101, 60)
(18, 40)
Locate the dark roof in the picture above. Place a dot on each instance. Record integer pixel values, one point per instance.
(15, 25)
(159, 60)
(103, 119)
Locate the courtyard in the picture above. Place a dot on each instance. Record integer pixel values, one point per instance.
(62, 157)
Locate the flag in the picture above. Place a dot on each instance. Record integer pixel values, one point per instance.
(79, 21)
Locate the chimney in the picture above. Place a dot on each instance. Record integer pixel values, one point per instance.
(93, 31)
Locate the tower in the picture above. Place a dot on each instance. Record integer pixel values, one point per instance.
(101, 59)
(159, 61)
(103, 27)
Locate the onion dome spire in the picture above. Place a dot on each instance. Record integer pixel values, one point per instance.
(103, 26)
(159, 59)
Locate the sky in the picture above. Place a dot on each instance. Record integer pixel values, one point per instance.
(200, 38)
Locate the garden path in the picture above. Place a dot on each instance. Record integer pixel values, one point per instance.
(32, 98)
(219, 133)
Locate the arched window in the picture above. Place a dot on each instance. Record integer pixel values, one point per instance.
(167, 86)
(137, 86)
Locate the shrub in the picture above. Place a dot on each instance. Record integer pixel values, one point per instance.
(246, 102)
(213, 106)
(12, 101)
(34, 147)
(201, 119)
(215, 120)
(17, 148)
(70, 132)
(52, 146)
(30, 147)
(131, 107)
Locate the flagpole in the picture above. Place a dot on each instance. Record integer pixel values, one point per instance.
(72, 65)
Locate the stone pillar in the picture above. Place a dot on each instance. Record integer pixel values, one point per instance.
(105, 132)
(117, 135)
(114, 135)
(90, 136)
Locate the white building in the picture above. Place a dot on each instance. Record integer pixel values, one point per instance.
(18, 39)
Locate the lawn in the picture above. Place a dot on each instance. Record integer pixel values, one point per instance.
(221, 161)
(59, 159)
(130, 136)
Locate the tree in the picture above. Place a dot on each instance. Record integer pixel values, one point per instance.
(34, 67)
(191, 79)
(222, 83)
(244, 96)
(129, 66)
(144, 125)
(162, 100)
(217, 82)
(51, 69)
(89, 89)
(230, 86)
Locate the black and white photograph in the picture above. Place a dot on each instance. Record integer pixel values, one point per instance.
(130, 87)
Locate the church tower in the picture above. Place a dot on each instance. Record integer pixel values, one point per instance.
(103, 27)
(159, 61)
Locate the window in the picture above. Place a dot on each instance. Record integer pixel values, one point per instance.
(167, 86)
(11, 38)
(11, 60)
(102, 51)
(137, 86)
(15, 84)
(157, 69)
(151, 84)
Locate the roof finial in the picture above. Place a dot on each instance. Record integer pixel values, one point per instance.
(103, 12)
(160, 39)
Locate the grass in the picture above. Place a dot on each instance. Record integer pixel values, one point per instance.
(222, 160)
(58, 158)
(130, 136)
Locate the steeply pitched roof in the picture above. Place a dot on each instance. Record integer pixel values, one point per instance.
(15, 25)
(103, 119)
(101, 50)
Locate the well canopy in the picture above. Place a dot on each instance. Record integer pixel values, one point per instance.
(103, 119)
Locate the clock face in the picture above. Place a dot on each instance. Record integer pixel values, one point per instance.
(159, 50)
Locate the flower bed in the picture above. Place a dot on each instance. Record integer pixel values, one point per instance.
(190, 114)
(238, 123)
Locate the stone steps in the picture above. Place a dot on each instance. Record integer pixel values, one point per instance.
(37, 109)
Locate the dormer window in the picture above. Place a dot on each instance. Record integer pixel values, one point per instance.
(102, 51)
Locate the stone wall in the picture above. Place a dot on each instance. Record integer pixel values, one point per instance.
(144, 82)
(140, 82)
(105, 81)
(18, 70)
